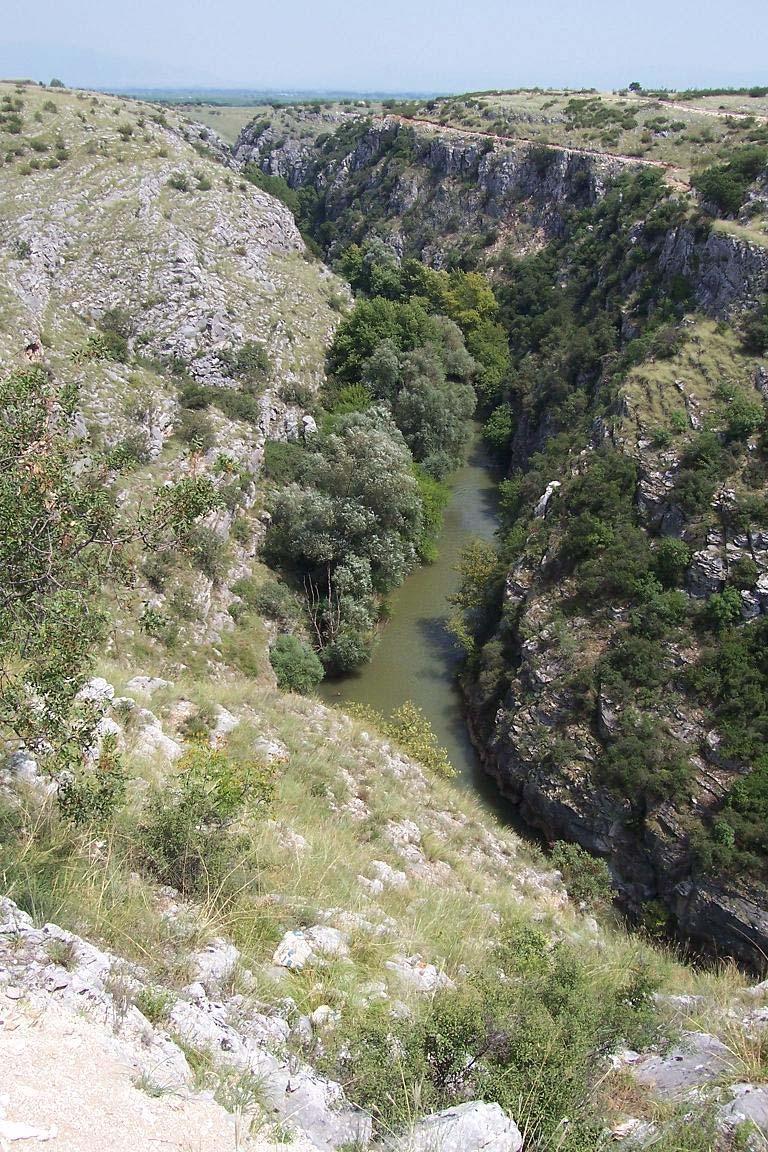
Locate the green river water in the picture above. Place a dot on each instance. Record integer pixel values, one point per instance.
(416, 658)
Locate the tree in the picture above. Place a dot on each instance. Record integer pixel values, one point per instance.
(61, 538)
(57, 83)
(57, 539)
(350, 528)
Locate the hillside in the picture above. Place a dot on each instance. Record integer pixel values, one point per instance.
(232, 917)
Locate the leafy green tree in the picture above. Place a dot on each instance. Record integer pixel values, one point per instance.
(61, 539)
(670, 561)
(57, 536)
(350, 528)
(406, 325)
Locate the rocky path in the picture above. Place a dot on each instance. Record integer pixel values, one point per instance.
(673, 174)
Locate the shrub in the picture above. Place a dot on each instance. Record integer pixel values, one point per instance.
(179, 181)
(723, 609)
(90, 795)
(586, 877)
(186, 837)
(754, 332)
(725, 185)
(208, 551)
(196, 429)
(411, 729)
(528, 1041)
(271, 599)
(155, 1003)
(296, 666)
(499, 429)
(670, 561)
(744, 572)
(249, 363)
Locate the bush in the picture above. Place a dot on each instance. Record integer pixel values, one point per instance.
(528, 1041)
(754, 332)
(271, 599)
(725, 185)
(723, 609)
(744, 572)
(670, 561)
(411, 729)
(92, 795)
(179, 181)
(186, 838)
(196, 429)
(249, 363)
(586, 877)
(297, 667)
(208, 551)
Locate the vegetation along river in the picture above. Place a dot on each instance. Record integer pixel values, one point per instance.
(416, 658)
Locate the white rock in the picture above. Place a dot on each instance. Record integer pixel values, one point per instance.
(273, 751)
(96, 691)
(215, 963)
(471, 1127)
(327, 941)
(147, 684)
(196, 992)
(540, 510)
(419, 974)
(152, 741)
(374, 887)
(225, 723)
(324, 1017)
(293, 951)
(389, 877)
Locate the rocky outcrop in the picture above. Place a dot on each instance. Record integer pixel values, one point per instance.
(448, 185)
(725, 272)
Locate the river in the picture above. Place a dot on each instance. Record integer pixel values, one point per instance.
(416, 658)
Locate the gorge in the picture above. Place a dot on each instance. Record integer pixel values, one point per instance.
(637, 336)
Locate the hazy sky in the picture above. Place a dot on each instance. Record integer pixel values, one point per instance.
(437, 45)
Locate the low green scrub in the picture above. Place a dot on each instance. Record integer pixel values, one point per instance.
(187, 838)
(530, 1041)
(586, 877)
(725, 186)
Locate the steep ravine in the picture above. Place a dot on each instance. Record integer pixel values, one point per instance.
(433, 193)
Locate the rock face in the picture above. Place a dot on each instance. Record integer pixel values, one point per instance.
(51, 971)
(724, 270)
(451, 186)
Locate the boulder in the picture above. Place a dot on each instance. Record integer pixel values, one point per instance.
(707, 572)
(749, 1105)
(147, 684)
(419, 974)
(698, 1059)
(471, 1127)
(215, 963)
(97, 691)
(293, 951)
